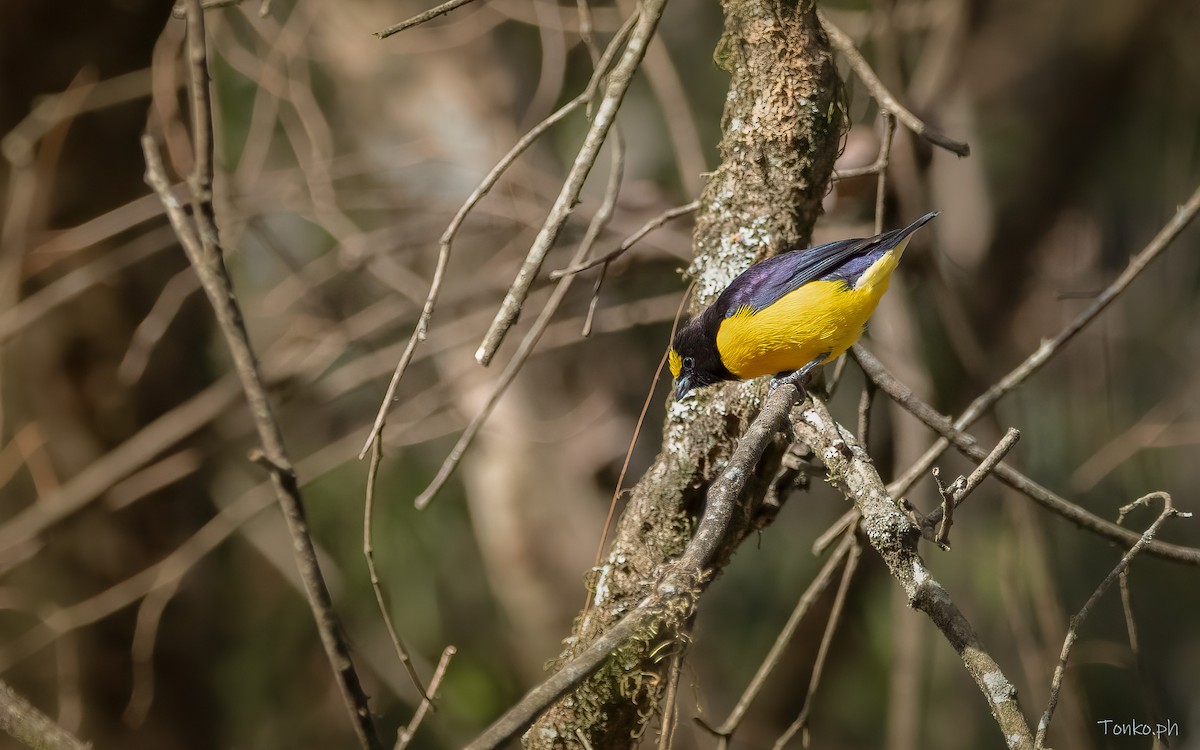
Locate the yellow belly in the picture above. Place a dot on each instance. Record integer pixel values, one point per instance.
(821, 317)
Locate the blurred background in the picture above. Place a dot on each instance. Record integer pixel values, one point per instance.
(149, 598)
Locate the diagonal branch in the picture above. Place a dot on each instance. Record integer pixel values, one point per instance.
(606, 114)
(673, 595)
(421, 18)
(198, 235)
(887, 102)
(977, 408)
(24, 723)
(1147, 536)
(969, 447)
(895, 538)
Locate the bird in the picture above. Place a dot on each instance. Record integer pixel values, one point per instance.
(787, 314)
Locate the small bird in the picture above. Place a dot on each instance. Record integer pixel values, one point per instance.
(789, 313)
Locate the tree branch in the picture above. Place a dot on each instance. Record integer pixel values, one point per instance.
(895, 538)
(674, 594)
(24, 723)
(969, 447)
(606, 114)
(1050, 347)
(198, 235)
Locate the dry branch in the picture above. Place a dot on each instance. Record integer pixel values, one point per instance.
(1147, 536)
(969, 447)
(977, 408)
(606, 114)
(895, 538)
(21, 721)
(421, 18)
(672, 597)
(199, 237)
(844, 44)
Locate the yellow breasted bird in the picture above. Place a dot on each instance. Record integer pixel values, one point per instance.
(789, 313)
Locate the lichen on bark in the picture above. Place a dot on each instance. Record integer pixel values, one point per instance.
(782, 126)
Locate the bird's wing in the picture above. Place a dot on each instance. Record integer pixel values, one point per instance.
(763, 284)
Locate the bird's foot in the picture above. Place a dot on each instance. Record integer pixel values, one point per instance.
(796, 378)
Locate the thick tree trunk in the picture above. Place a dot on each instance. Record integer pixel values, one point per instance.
(783, 122)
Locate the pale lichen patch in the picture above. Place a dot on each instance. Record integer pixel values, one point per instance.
(999, 689)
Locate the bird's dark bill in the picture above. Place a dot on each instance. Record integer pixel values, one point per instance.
(682, 387)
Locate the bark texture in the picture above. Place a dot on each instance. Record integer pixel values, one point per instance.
(783, 121)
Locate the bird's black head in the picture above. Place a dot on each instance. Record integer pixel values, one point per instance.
(693, 358)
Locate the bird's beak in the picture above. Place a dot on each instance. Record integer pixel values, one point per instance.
(683, 386)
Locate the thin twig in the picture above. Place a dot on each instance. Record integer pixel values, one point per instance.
(1152, 707)
(969, 447)
(977, 408)
(674, 592)
(184, 558)
(885, 150)
(630, 241)
(815, 589)
(138, 450)
(445, 242)
(597, 225)
(369, 554)
(145, 636)
(864, 413)
(421, 330)
(986, 466)
(670, 710)
(421, 18)
(835, 615)
(961, 487)
(198, 235)
(617, 84)
(1077, 620)
(637, 430)
(835, 531)
(942, 535)
(882, 160)
(844, 44)
(595, 300)
(408, 732)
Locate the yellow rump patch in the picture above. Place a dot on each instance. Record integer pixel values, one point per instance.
(818, 318)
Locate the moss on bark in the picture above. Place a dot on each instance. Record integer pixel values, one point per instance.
(783, 121)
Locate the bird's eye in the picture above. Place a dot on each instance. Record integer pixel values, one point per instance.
(688, 363)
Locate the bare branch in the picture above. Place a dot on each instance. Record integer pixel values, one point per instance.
(1077, 620)
(674, 592)
(941, 517)
(618, 83)
(815, 589)
(895, 539)
(835, 615)
(198, 235)
(24, 723)
(408, 732)
(844, 44)
(597, 225)
(630, 241)
(373, 572)
(421, 18)
(444, 244)
(968, 446)
(882, 160)
(1050, 347)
